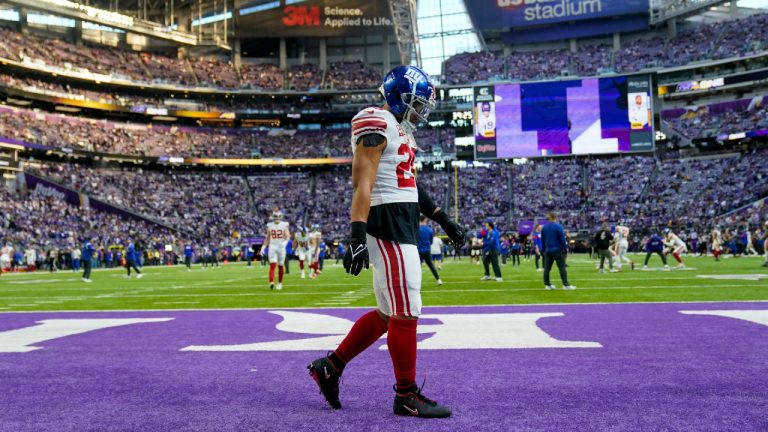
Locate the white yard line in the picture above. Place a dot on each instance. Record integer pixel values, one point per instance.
(426, 308)
(167, 303)
(428, 291)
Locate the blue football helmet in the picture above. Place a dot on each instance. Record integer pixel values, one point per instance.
(409, 93)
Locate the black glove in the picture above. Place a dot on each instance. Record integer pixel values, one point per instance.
(456, 233)
(356, 256)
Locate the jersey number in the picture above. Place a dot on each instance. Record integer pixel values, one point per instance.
(405, 177)
(277, 234)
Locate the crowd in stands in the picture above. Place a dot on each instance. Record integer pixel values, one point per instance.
(345, 102)
(640, 191)
(262, 76)
(550, 185)
(168, 69)
(700, 42)
(468, 68)
(719, 119)
(211, 72)
(289, 192)
(304, 77)
(210, 206)
(613, 187)
(483, 195)
(65, 90)
(47, 223)
(59, 131)
(645, 193)
(352, 75)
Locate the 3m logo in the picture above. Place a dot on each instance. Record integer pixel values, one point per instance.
(301, 16)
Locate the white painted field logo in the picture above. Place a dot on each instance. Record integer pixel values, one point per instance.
(455, 331)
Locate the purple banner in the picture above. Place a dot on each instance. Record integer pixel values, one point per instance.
(42, 187)
(575, 30)
(525, 227)
(38, 186)
(502, 14)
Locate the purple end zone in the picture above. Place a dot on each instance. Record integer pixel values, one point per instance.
(656, 369)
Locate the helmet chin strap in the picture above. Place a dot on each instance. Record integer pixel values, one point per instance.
(407, 126)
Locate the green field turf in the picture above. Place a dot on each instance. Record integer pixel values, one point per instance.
(237, 286)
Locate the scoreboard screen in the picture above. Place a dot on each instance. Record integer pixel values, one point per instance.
(589, 116)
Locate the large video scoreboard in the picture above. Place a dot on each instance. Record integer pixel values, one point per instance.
(586, 116)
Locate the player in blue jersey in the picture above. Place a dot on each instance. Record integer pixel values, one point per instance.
(555, 247)
(189, 252)
(214, 256)
(655, 245)
(537, 247)
(514, 250)
(491, 249)
(426, 234)
(87, 257)
(131, 259)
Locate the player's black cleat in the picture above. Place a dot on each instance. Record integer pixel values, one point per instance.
(413, 403)
(327, 378)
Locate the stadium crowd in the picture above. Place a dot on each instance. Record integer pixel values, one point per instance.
(642, 192)
(152, 140)
(699, 42)
(211, 206)
(718, 119)
(199, 72)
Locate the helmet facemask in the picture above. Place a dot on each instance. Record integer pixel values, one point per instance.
(417, 112)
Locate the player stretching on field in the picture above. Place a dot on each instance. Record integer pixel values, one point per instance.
(385, 220)
(301, 240)
(675, 246)
(622, 246)
(276, 241)
(313, 257)
(717, 242)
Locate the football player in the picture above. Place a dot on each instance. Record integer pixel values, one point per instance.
(386, 203)
(621, 247)
(301, 240)
(276, 241)
(315, 238)
(717, 242)
(675, 246)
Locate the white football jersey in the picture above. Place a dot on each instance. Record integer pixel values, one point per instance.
(302, 240)
(395, 180)
(314, 239)
(623, 233)
(278, 234)
(673, 240)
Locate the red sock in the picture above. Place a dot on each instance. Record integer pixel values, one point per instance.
(367, 330)
(272, 272)
(280, 271)
(677, 257)
(401, 341)
(301, 265)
